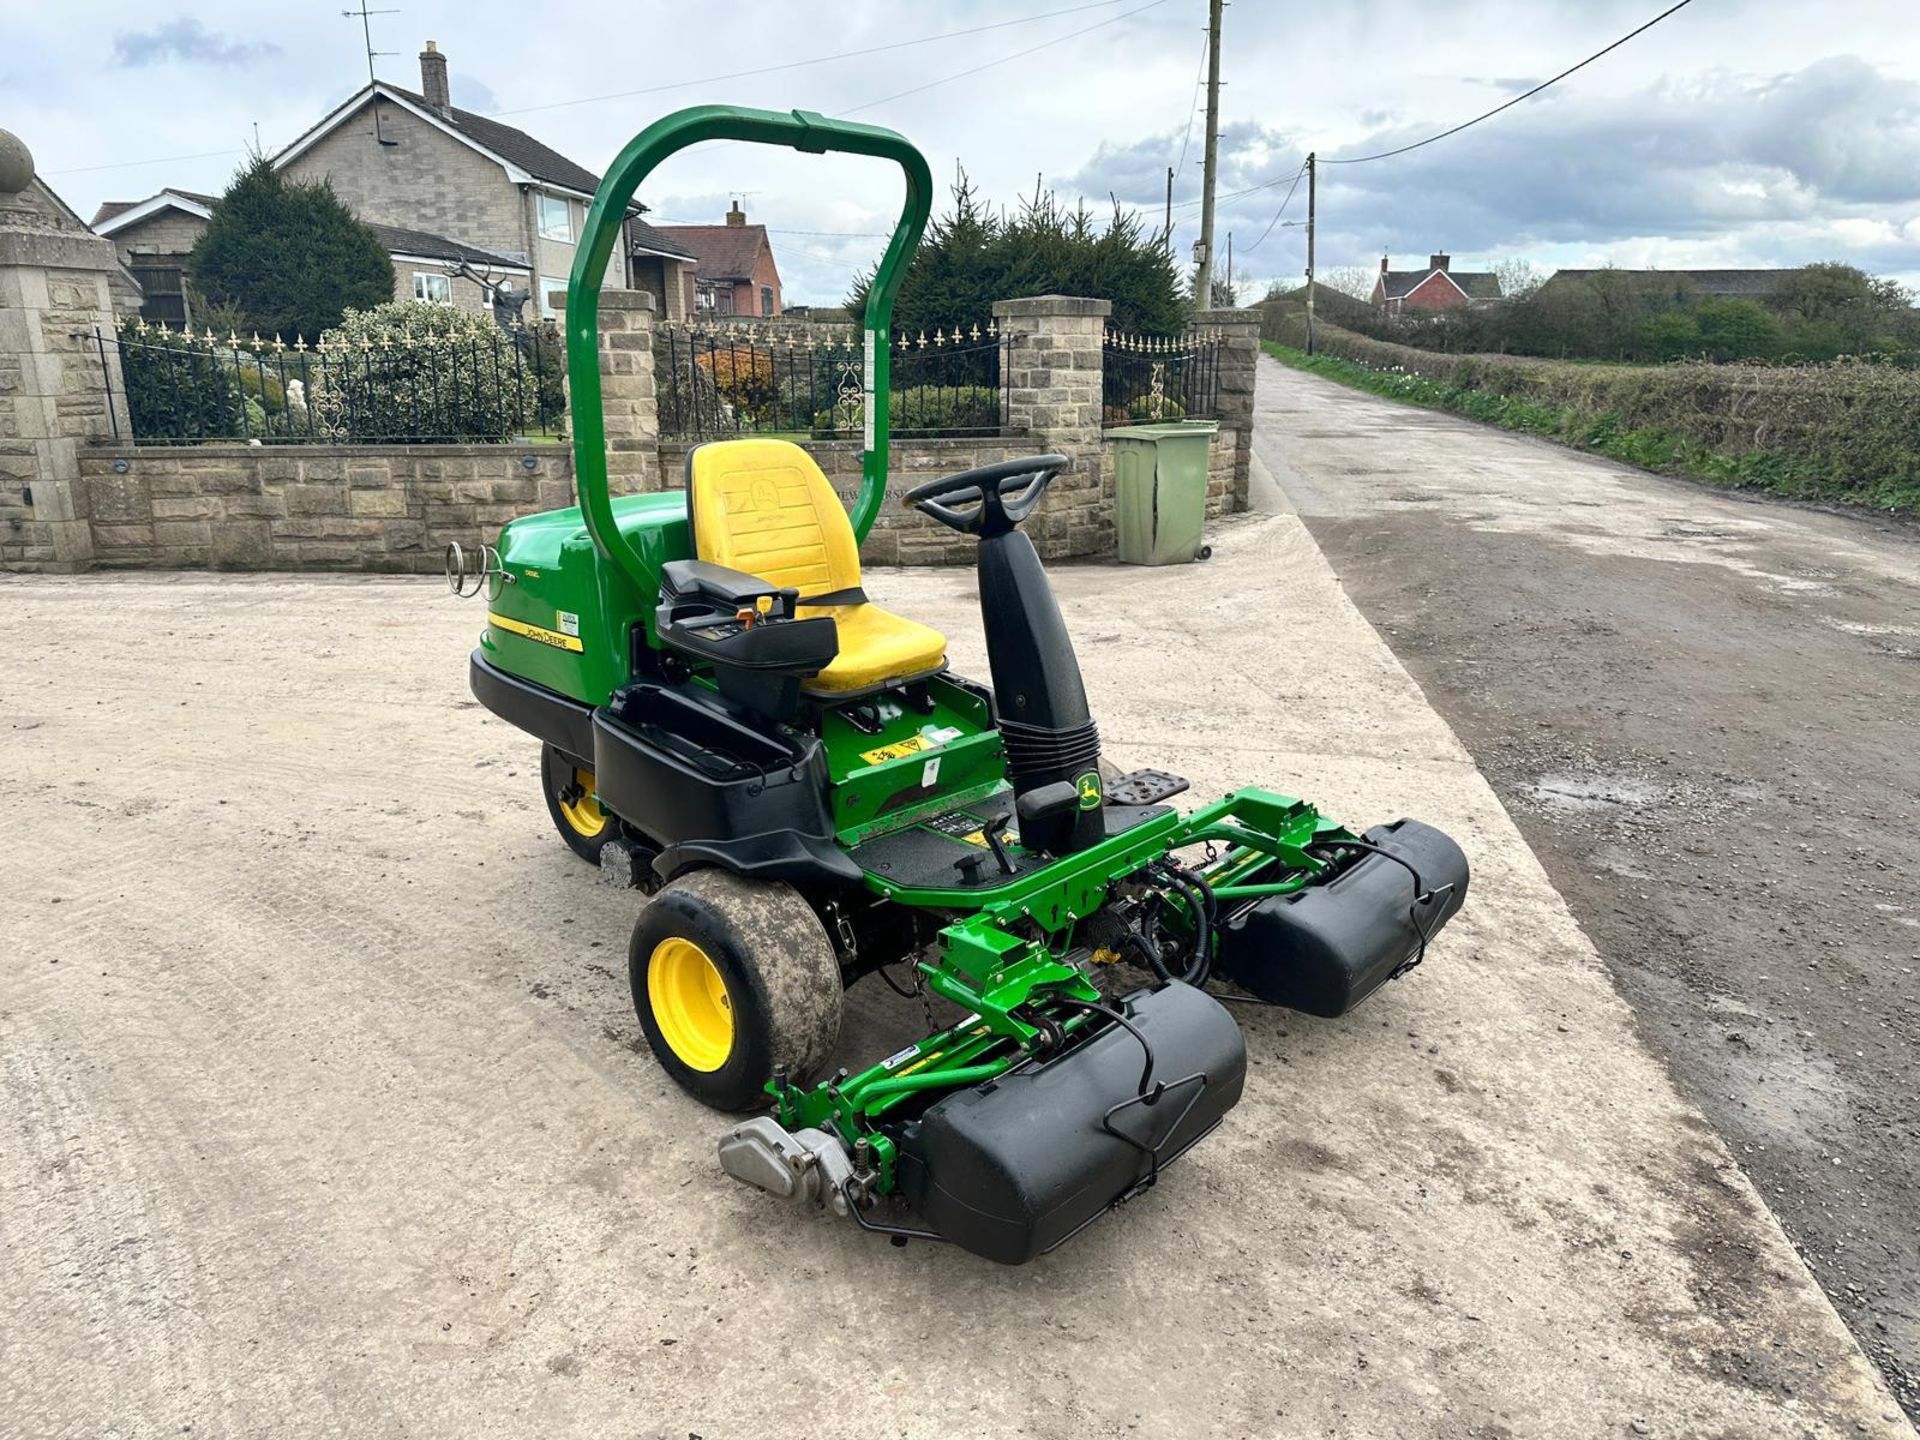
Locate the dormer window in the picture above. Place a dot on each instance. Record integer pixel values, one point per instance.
(556, 218)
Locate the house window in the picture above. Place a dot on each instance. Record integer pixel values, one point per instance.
(556, 218)
(549, 284)
(766, 300)
(432, 288)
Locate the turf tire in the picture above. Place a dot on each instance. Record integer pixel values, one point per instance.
(556, 779)
(782, 978)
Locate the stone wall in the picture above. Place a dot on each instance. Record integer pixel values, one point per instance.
(312, 507)
(394, 508)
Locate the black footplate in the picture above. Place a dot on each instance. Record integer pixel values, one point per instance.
(1144, 787)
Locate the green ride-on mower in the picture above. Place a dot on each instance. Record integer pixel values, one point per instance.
(808, 795)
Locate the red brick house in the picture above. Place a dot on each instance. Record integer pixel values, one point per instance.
(1438, 287)
(735, 273)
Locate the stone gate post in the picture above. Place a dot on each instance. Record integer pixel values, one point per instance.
(56, 394)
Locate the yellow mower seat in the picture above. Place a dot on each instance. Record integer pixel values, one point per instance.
(763, 507)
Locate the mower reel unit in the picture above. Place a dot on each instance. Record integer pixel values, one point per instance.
(808, 794)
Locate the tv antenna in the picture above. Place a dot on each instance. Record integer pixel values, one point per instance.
(366, 32)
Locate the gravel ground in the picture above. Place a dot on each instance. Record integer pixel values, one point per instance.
(1700, 709)
(326, 1113)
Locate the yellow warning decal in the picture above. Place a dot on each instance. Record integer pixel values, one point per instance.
(978, 838)
(536, 634)
(912, 745)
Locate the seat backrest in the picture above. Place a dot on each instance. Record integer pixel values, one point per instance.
(763, 506)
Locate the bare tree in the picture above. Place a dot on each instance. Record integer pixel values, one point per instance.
(1518, 278)
(1354, 280)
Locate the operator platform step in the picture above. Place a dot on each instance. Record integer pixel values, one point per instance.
(1144, 787)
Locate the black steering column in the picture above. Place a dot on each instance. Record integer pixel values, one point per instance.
(1052, 745)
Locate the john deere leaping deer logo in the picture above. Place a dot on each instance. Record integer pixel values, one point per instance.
(1088, 785)
(766, 495)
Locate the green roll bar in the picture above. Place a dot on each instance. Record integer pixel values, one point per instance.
(800, 130)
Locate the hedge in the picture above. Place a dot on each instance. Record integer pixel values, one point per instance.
(1845, 430)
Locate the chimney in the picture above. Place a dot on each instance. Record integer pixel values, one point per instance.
(736, 216)
(1438, 262)
(433, 79)
(1383, 262)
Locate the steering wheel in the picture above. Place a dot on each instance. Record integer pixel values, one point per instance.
(993, 498)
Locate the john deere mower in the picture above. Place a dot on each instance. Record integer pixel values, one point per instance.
(808, 794)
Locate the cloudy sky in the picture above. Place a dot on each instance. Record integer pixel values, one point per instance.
(1738, 132)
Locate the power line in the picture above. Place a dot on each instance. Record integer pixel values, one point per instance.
(1278, 213)
(1016, 55)
(1455, 130)
(816, 60)
(132, 164)
(1527, 95)
(1193, 104)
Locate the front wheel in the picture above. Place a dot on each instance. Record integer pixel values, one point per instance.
(732, 980)
(574, 804)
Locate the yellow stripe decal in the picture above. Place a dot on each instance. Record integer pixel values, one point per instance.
(536, 634)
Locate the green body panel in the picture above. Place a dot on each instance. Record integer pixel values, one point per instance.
(881, 773)
(557, 582)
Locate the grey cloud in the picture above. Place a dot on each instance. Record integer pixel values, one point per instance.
(1724, 158)
(185, 39)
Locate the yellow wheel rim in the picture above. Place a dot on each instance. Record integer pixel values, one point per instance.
(583, 813)
(690, 1004)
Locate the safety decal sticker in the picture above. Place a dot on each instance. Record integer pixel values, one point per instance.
(912, 745)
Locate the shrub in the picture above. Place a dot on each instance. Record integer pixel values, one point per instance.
(178, 388)
(287, 256)
(409, 371)
(1155, 407)
(919, 410)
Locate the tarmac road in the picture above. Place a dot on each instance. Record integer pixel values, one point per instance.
(324, 1112)
(1701, 710)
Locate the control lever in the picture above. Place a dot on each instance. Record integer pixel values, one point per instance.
(991, 830)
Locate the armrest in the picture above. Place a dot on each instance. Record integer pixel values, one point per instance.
(733, 589)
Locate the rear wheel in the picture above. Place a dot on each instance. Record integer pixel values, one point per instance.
(733, 979)
(574, 803)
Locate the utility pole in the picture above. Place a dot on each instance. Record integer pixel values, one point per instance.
(1169, 230)
(1312, 173)
(1203, 280)
(1229, 262)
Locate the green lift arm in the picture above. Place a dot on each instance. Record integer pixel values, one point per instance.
(799, 130)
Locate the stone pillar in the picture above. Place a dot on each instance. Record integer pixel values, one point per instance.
(1239, 332)
(628, 392)
(1053, 392)
(55, 393)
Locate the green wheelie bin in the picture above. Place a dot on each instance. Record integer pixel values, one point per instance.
(1160, 491)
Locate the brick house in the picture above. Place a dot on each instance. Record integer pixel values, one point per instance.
(1438, 287)
(442, 187)
(735, 273)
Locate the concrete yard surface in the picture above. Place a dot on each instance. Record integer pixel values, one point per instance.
(326, 1111)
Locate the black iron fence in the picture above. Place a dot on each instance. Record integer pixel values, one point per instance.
(731, 380)
(1146, 378)
(461, 386)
